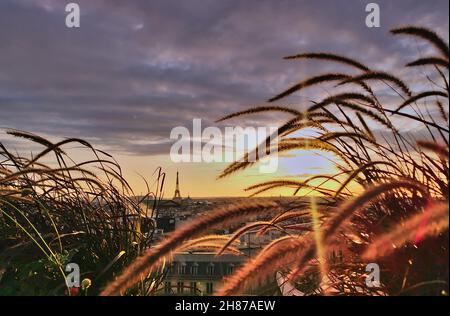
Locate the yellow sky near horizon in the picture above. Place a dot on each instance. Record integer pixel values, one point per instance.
(200, 179)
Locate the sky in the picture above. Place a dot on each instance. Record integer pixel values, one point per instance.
(136, 69)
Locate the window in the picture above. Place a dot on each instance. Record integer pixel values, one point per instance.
(209, 288)
(210, 269)
(182, 268)
(172, 268)
(180, 287)
(230, 268)
(167, 287)
(194, 269)
(193, 287)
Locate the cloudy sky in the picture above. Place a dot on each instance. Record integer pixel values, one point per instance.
(135, 69)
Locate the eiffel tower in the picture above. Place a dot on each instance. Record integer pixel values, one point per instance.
(177, 195)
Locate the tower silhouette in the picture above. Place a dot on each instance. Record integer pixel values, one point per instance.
(177, 195)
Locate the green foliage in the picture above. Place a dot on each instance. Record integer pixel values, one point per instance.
(68, 212)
